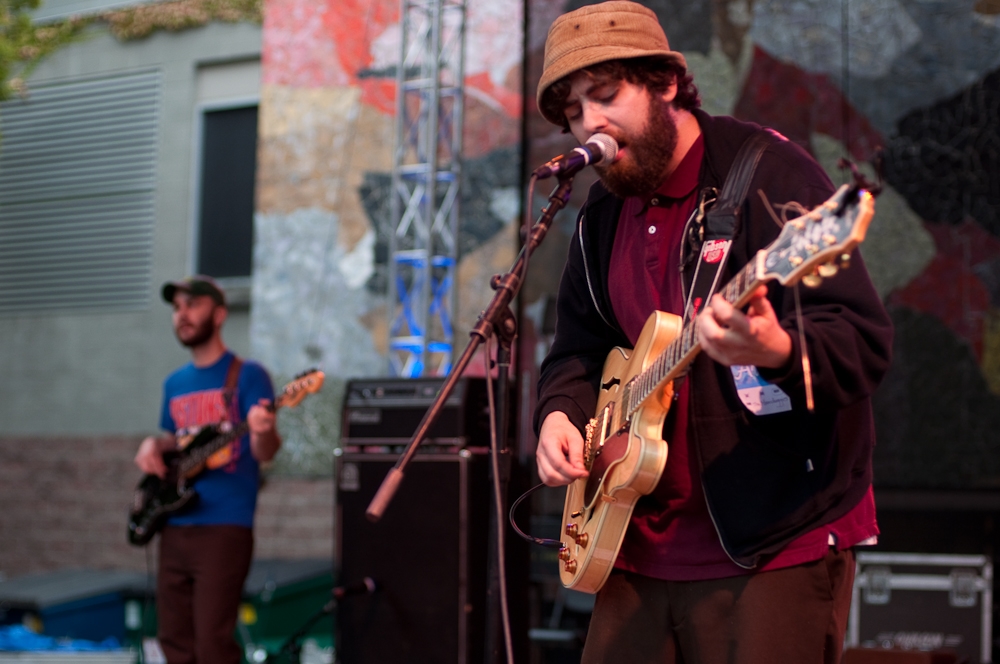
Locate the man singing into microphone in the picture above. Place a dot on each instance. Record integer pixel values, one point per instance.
(744, 551)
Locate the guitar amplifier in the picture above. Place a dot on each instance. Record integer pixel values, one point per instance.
(428, 556)
(387, 412)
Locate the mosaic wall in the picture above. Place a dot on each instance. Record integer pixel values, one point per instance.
(919, 78)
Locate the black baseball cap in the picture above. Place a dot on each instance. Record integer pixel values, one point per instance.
(198, 284)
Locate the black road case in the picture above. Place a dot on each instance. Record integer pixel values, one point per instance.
(924, 602)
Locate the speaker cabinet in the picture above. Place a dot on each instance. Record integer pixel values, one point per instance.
(428, 555)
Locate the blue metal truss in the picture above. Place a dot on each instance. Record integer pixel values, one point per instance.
(425, 187)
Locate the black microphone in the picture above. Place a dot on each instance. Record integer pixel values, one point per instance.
(365, 586)
(599, 147)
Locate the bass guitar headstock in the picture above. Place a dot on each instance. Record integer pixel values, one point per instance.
(307, 382)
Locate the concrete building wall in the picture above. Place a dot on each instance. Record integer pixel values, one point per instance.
(79, 389)
(97, 373)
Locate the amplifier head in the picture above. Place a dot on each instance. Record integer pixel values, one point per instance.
(387, 411)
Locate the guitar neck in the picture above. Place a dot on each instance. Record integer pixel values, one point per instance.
(675, 359)
(200, 455)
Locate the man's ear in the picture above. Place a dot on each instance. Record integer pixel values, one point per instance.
(670, 93)
(219, 315)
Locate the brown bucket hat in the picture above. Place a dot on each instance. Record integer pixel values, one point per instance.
(613, 30)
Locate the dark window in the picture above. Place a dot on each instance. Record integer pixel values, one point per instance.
(225, 211)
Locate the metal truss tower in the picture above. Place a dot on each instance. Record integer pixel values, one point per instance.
(426, 178)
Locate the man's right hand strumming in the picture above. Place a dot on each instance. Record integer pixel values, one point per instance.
(560, 451)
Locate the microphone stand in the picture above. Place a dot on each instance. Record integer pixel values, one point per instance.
(292, 645)
(496, 318)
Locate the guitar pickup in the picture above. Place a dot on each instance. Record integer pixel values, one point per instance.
(609, 418)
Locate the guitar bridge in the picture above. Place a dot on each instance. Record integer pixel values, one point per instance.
(597, 431)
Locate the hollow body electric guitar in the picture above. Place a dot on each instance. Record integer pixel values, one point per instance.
(623, 448)
(155, 499)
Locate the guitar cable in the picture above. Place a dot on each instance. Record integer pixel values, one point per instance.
(541, 541)
(525, 231)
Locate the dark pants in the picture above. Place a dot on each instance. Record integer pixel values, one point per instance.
(796, 615)
(198, 592)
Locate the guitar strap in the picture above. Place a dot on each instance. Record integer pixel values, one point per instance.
(229, 389)
(721, 221)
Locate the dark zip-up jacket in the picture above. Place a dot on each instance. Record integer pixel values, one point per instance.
(767, 479)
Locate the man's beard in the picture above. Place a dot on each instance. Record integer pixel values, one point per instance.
(649, 154)
(201, 334)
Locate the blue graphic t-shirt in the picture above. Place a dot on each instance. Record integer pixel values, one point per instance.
(193, 398)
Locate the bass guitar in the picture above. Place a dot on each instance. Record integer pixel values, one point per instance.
(623, 446)
(155, 499)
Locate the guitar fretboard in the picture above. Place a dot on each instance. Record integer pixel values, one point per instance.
(682, 350)
(200, 455)
(832, 228)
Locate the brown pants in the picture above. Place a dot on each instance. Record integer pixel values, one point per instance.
(796, 615)
(198, 592)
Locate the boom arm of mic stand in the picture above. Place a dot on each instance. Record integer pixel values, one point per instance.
(497, 313)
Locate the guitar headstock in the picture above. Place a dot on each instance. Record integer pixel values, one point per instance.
(307, 382)
(813, 246)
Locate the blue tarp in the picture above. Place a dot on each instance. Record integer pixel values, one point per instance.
(18, 637)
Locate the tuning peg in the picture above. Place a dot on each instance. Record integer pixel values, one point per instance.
(811, 280)
(827, 270)
(845, 261)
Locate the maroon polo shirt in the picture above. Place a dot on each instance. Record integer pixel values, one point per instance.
(671, 535)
